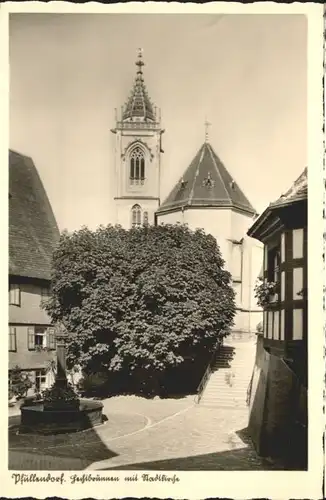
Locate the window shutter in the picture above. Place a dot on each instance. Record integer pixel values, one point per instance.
(14, 295)
(12, 339)
(51, 338)
(31, 338)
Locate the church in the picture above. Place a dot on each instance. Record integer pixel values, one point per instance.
(206, 196)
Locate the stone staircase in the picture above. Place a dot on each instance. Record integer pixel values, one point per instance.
(231, 374)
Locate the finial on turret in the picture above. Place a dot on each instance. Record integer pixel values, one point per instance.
(207, 125)
(140, 61)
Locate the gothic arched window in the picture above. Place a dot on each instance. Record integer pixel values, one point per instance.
(137, 166)
(145, 219)
(136, 216)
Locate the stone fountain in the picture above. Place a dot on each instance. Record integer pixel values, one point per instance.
(60, 409)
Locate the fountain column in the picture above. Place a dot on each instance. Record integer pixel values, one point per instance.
(61, 395)
(61, 335)
(61, 410)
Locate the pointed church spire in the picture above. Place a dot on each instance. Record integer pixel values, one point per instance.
(139, 104)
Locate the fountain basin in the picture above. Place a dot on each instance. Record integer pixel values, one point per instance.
(36, 419)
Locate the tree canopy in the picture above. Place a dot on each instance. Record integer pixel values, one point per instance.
(140, 299)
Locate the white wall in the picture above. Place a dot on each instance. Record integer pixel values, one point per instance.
(240, 224)
(149, 141)
(123, 210)
(171, 218)
(213, 221)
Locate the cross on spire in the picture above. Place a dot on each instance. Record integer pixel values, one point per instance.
(207, 125)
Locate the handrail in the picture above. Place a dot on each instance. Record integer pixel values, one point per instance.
(204, 380)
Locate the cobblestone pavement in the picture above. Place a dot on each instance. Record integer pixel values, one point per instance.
(171, 434)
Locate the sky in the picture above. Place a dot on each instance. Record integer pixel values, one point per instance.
(247, 74)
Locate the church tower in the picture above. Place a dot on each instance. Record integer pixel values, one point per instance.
(138, 151)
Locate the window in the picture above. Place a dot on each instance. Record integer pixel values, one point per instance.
(273, 269)
(137, 166)
(145, 219)
(297, 283)
(14, 295)
(297, 243)
(282, 285)
(40, 337)
(282, 247)
(40, 380)
(136, 216)
(274, 259)
(12, 339)
(297, 324)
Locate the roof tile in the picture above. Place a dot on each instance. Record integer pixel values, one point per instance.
(206, 183)
(298, 191)
(33, 231)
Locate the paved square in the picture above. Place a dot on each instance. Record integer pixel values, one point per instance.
(170, 434)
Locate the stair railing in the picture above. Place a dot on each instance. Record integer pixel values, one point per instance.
(205, 379)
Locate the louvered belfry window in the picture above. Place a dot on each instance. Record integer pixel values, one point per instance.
(137, 166)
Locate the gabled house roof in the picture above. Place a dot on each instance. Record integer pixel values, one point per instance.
(297, 193)
(206, 183)
(33, 231)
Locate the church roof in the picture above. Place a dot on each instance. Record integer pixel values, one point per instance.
(206, 183)
(139, 104)
(33, 231)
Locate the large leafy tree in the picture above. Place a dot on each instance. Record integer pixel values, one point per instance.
(142, 300)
